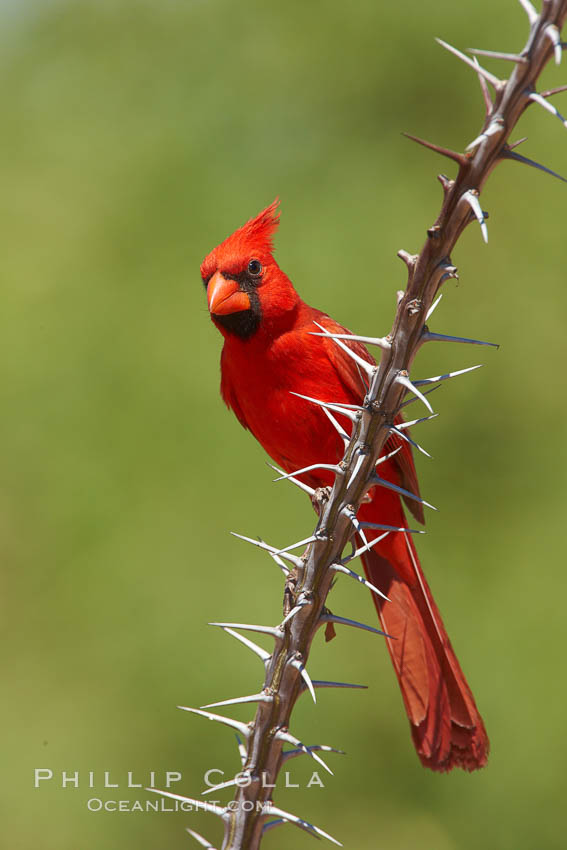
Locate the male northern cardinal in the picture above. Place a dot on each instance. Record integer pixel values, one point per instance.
(269, 353)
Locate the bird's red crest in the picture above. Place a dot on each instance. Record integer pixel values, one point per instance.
(254, 236)
(259, 230)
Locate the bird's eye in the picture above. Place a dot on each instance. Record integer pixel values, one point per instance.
(255, 268)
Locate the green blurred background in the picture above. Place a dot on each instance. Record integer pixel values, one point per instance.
(136, 135)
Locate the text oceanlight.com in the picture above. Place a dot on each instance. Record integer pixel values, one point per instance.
(95, 804)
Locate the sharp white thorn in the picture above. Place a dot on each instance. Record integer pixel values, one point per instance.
(497, 54)
(284, 475)
(241, 750)
(360, 551)
(390, 455)
(271, 549)
(320, 683)
(401, 426)
(344, 406)
(382, 482)
(364, 364)
(291, 739)
(259, 543)
(219, 718)
(305, 676)
(337, 408)
(554, 36)
(429, 336)
(199, 839)
(291, 477)
(320, 761)
(228, 784)
(409, 440)
(343, 621)
(272, 824)
(340, 568)
(355, 521)
(492, 79)
(273, 631)
(433, 307)
(362, 535)
(238, 700)
(299, 543)
(381, 342)
(342, 433)
(291, 754)
(261, 653)
(405, 382)
(363, 380)
(270, 809)
(378, 526)
(358, 464)
(446, 377)
(473, 202)
(516, 157)
(537, 98)
(412, 400)
(488, 104)
(293, 612)
(305, 487)
(297, 562)
(530, 11)
(285, 570)
(199, 804)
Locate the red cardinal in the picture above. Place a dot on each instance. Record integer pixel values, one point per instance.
(269, 353)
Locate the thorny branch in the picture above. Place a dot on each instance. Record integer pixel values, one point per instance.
(309, 577)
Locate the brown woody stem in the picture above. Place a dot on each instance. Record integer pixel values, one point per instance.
(245, 819)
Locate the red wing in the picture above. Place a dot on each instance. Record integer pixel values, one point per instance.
(354, 381)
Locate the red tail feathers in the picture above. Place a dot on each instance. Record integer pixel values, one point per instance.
(446, 726)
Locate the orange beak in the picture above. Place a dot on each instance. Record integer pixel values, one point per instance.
(225, 297)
